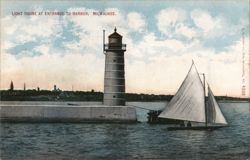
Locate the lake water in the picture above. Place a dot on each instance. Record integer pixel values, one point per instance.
(129, 141)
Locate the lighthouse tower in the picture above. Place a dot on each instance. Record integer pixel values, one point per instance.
(114, 78)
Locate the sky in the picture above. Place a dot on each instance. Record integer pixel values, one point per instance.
(162, 39)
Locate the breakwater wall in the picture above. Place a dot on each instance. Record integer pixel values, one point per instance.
(63, 112)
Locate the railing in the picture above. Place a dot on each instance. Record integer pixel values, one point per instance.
(114, 47)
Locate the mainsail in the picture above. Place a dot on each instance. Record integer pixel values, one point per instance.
(214, 114)
(189, 101)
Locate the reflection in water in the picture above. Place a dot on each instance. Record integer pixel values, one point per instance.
(128, 141)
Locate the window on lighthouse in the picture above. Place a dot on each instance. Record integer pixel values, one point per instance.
(112, 40)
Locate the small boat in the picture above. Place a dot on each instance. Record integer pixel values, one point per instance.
(189, 105)
(154, 119)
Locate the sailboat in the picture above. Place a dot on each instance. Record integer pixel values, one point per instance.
(189, 105)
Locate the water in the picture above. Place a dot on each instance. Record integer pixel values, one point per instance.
(129, 141)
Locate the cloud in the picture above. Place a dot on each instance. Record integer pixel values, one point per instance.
(172, 22)
(204, 21)
(27, 28)
(162, 65)
(188, 32)
(85, 72)
(63, 59)
(23, 33)
(199, 25)
(151, 46)
(164, 74)
(167, 19)
(214, 26)
(136, 21)
(69, 52)
(90, 34)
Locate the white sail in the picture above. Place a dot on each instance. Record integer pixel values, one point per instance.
(214, 114)
(189, 101)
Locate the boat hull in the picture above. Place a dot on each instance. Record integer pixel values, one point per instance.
(195, 128)
(154, 119)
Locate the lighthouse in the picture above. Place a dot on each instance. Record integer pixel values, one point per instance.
(114, 76)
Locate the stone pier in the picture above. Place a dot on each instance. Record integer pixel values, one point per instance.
(66, 112)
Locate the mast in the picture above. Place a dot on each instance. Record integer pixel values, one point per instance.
(204, 88)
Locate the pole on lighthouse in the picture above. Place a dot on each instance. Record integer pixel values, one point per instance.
(103, 41)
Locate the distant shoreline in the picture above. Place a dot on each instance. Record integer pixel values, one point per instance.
(234, 101)
(81, 96)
